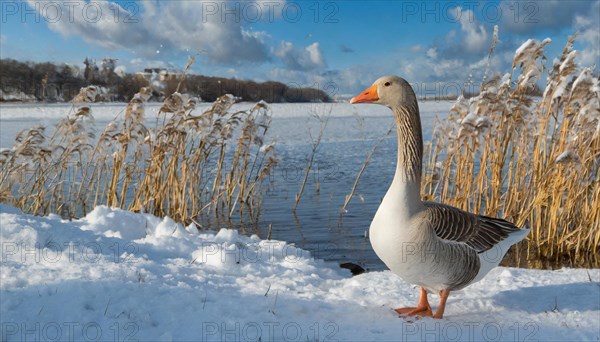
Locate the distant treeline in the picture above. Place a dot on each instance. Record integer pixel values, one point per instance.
(25, 81)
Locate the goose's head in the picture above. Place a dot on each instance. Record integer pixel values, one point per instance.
(390, 91)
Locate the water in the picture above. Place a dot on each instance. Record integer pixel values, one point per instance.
(318, 224)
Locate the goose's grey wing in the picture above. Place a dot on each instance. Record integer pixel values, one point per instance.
(478, 232)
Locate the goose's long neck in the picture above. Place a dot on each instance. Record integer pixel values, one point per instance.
(406, 186)
(410, 144)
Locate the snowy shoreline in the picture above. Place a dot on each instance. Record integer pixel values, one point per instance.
(119, 276)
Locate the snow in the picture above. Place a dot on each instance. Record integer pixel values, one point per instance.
(560, 89)
(569, 60)
(290, 120)
(15, 96)
(469, 119)
(567, 156)
(108, 111)
(585, 76)
(526, 45)
(115, 275)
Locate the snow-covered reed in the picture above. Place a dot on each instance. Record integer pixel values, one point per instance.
(187, 166)
(533, 161)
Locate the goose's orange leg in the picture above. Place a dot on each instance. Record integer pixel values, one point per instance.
(440, 310)
(423, 308)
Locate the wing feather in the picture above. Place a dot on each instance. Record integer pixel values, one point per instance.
(477, 231)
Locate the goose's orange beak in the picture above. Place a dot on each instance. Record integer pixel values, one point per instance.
(367, 96)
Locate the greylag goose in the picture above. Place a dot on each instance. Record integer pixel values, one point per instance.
(435, 246)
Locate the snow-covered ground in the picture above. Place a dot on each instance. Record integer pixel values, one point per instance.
(120, 276)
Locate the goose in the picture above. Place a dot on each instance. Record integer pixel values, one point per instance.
(435, 246)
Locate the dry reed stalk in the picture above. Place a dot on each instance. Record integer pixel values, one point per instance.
(362, 169)
(315, 142)
(504, 153)
(160, 170)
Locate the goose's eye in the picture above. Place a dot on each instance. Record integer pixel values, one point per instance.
(387, 84)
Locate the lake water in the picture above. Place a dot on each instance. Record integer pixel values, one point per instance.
(317, 226)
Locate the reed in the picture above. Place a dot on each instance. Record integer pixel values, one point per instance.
(364, 167)
(533, 161)
(187, 166)
(323, 119)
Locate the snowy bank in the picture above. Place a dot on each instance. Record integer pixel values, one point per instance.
(120, 276)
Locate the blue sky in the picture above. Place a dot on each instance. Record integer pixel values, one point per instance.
(347, 44)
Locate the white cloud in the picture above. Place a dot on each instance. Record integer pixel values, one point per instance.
(172, 27)
(308, 58)
(416, 48)
(149, 63)
(316, 57)
(432, 53)
(428, 69)
(532, 16)
(347, 81)
(450, 36)
(475, 37)
(288, 76)
(354, 78)
(588, 28)
(449, 59)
